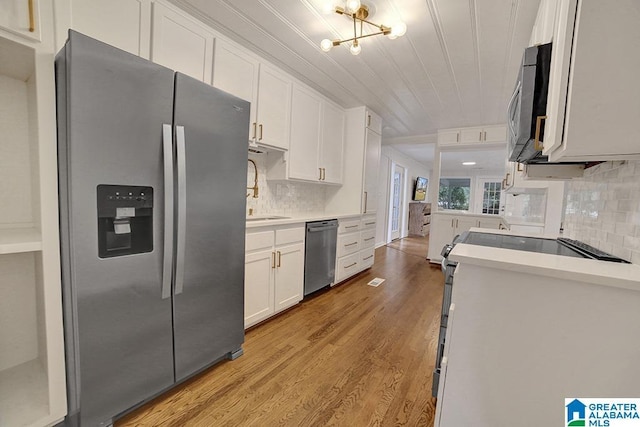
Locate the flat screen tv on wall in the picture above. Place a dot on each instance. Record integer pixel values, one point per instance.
(420, 189)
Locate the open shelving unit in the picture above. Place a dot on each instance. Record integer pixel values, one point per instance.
(32, 381)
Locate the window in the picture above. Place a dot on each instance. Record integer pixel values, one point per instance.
(491, 198)
(454, 193)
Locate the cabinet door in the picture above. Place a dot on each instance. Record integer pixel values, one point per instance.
(332, 143)
(21, 17)
(374, 122)
(494, 134)
(448, 137)
(236, 72)
(258, 286)
(181, 43)
(274, 108)
(441, 233)
(463, 224)
(470, 135)
(289, 283)
(305, 135)
(371, 165)
(116, 22)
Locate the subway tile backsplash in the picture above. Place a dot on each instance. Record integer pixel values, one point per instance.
(603, 208)
(286, 198)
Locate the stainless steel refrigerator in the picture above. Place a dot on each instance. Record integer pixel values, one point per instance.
(152, 170)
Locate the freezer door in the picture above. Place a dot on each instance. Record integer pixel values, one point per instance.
(111, 110)
(211, 142)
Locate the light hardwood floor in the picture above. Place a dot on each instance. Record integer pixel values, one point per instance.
(355, 355)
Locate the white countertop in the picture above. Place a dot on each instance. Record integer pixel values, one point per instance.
(465, 213)
(254, 223)
(577, 269)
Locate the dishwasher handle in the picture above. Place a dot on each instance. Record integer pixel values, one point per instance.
(317, 228)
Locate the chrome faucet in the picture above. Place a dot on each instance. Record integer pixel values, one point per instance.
(255, 181)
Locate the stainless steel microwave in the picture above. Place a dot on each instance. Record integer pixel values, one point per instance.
(528, 106)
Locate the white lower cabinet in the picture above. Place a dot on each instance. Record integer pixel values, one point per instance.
(444, 227)
(274, 271)
(355, 250)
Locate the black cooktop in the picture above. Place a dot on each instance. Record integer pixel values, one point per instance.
(561, 246)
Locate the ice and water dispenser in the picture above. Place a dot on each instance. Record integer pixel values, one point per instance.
(125, 220)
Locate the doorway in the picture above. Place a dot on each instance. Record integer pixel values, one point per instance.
(397, 201)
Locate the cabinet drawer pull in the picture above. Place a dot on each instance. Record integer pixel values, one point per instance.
(369, 223)
(537, 144)
(320, 172)
(480, 136)
(350, 265)
(32, 24)
(260, 139)
(370, 238)
(368, 120)
(457, 136)
(255, 130)
(273, 260)
(351, 226)
(350, 244)
(279, 258)
(369, 257)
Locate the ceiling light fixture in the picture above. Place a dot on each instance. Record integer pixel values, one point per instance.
(359, 13)
(468, 163)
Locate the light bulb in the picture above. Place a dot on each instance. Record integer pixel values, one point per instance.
(328, 7)
(355, 48)
(352, 5)
(398, 29)
(326, 45)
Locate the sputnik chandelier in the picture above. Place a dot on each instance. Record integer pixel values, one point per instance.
(359, 13)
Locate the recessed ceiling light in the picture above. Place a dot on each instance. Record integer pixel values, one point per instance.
(468, 163)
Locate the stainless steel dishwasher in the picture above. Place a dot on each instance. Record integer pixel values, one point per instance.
(320, 254)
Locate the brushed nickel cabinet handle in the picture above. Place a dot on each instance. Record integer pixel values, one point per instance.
(350, 265)
(350, 244)
(351, 226)
(324, 174)
(457, 136)
(369, 257)
(260, 139)
(370, 238)
(537, 145)
(368, 120)
(452, 223)
(32, 23)
(480, 135)
(366, 199)
(320, 174)
(273, 260)
(279, 259)
(255, 130)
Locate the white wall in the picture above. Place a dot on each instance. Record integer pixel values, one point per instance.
(413, 169)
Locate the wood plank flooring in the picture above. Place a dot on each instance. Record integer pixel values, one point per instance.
(355, 355)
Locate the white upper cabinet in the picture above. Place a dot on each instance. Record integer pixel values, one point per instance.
(594, 93)
(332, 143)
(236, 71)
(125, 24)
(269, 90)
(181, 43)
(473, 135)
(21, 17)
(317, 136)
(305, 135)
(274, 108)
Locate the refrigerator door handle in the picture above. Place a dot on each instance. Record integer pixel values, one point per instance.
(182, 209)
(167, 257)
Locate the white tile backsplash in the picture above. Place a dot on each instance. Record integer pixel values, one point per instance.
(286, 198)
(603, 208)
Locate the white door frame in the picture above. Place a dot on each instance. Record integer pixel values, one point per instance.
(402, 189)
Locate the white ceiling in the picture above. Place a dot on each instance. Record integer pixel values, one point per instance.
(455, 66)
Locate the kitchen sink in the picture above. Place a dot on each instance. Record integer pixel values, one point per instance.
(266, 217)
